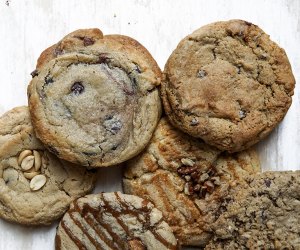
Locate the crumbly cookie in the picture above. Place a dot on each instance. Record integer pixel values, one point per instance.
(94, 99)
(36, 187)
(186, 179)
(228, 84)
(114, 221)
(264, 215)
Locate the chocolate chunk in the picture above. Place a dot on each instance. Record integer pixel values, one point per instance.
(87, 41)
(77, 88)
(112, 124)
(34, 73)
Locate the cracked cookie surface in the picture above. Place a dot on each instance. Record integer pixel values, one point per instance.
(263, 215)
(114, 221)
(186, 179)
(19, 202)
(94, 99)
(228, 84)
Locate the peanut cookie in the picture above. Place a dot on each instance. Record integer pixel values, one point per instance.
(228, 84)
(114, 221)
(264, 215)
(94, 99)
(36, 187)
(186, 179)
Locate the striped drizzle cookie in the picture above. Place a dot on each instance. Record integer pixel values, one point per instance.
(114, 221)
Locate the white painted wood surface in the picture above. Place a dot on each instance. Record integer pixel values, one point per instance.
(28, 27)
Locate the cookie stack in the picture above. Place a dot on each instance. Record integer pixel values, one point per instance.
(190, 176)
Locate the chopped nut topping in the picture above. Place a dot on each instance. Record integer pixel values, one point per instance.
(198, 184)
(187, 162)
(186, 170)
(204, 177)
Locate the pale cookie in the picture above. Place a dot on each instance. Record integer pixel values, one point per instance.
(114, 221)
(264, 215)
(94, 99)
(36, 187)
(228, 84)
(186, 179)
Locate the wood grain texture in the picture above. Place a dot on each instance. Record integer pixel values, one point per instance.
(28, 27)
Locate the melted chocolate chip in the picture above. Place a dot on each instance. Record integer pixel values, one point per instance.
(48, 79)
(58, 51)
(112, 124)
(114, 147)
(87, 41)
(137, 69)
(103, 58)
(34, 73)
(77, 88)
(267, 182)
(201, 73)
(116, 127)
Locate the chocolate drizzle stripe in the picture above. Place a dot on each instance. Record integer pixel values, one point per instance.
(57, 242)
(94, 213)
(84, 230)
(115, 243)
(91, 214)
(146, 211)
(72, 236)
(116, 215)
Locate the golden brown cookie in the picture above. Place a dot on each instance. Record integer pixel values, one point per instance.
(228, 84)
(114, 221)
(186, 179)
(36, 187)
(94, 99)
(263, 215)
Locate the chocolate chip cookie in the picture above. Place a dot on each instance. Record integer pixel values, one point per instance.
(186, 179)
(114, 221)
(228, 84)
(36, 187)
(264, 215)
(94, 99)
